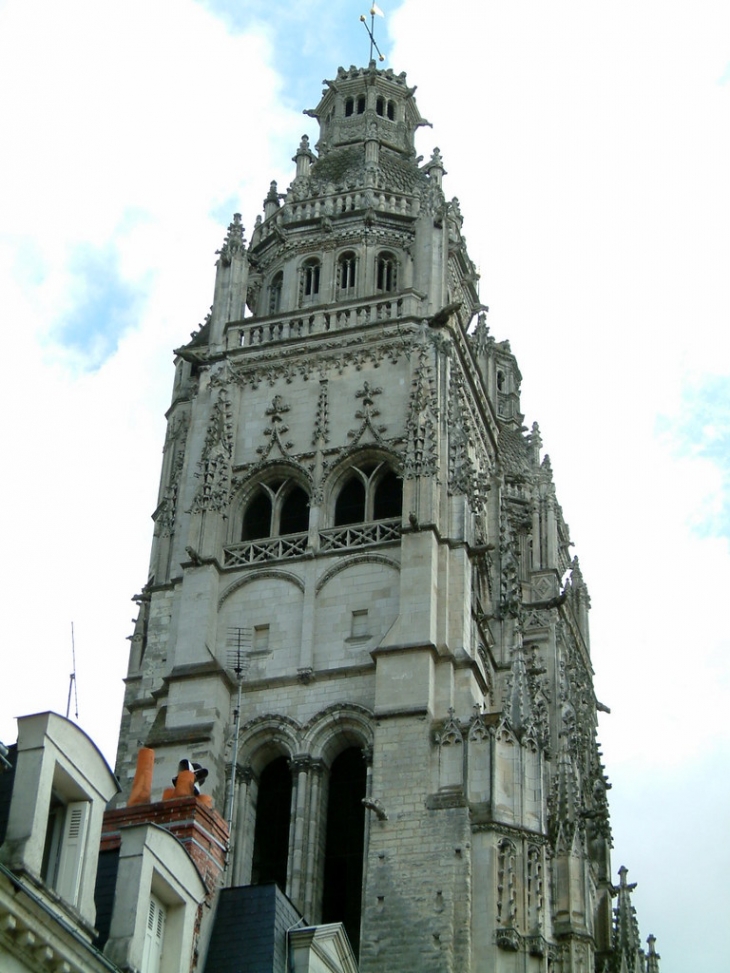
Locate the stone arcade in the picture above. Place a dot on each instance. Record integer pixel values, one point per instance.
(352, 515)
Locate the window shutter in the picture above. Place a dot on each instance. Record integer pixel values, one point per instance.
(72, 850)
(154, 936)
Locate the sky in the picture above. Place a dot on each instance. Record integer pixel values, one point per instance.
(589, 146)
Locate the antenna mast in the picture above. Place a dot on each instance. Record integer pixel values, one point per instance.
(72, 679)
(240, 641)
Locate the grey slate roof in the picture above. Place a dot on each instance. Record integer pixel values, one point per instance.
(249, 932)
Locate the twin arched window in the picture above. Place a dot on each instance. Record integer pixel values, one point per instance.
(275, 509)
(347, 273)
(371, 492)
(309, 281)
(386, 272)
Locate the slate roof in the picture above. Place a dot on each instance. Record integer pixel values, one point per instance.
(513, 452)
(249, 931)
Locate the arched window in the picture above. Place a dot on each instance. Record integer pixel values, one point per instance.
(346, 273)
(349, 106)
(380, 106)
(350, 506)
(257, 518)
(361, 104)
(344, 844)
(386, 272)
(391, 110)
(294, 515)
(309, 282)
(271, 834)
(277, 282)
(371, 492)
(388, 499)
(277, 507)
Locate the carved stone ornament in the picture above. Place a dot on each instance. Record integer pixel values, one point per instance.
(422, 422)
(367, 414)
(214, 466)
(277, 430)
(234, 244)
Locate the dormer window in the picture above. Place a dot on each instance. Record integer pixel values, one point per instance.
(386, 273)
(309, 282)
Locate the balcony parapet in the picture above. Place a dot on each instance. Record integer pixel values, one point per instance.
(321, 319)
(295, 545)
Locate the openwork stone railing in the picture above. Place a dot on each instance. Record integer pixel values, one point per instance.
(254, 332)
(271, 549)
(359, 535)
(295, 545)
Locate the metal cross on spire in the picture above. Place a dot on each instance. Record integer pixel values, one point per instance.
(374, 9)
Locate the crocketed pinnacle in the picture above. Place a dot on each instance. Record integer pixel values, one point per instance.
(628, 954)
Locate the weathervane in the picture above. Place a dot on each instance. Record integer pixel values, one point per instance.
(375, 9)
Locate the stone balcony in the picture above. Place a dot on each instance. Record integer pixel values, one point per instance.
(331, 540)
(322, 319)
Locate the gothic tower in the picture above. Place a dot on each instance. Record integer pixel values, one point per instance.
(352, 515)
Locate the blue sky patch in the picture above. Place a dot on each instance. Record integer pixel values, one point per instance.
(308, 36)
(104, 306)
(702, 430)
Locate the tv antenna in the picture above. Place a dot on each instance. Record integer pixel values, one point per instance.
(375, 9)
(72, 680)
(239, 647)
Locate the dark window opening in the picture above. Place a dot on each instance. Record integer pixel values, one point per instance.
(386, 272)
(350, 506)
(347, 266)
(52, 847)
(500, 380)
(342, 897)
(257, 519)
(310, 281)
(275, 293)
(391, 110)
(380, 106)
(294, 518)
(388, 500)
(349, 106)
(361, 104)
(271, 835)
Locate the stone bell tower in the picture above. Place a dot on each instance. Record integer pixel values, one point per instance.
(352, 515)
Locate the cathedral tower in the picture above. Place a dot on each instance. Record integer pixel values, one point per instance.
(352, 515)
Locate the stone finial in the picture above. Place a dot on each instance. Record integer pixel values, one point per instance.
(304, 157)
(234, 244)
(626, 942)
(652, 957)
(481, 334)
(271, 203)
(434, 168)
(518, 710)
